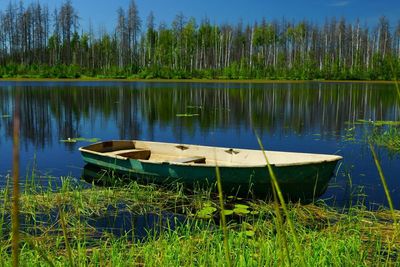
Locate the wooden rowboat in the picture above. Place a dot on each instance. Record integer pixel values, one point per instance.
(300, 175)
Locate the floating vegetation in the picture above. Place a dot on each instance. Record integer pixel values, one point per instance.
(228, 212)
(378, 123)
(194, 107)
(90, 140)
(389, 138)
(68, 140)
(241, 209)
(187, 114)
(381, 133)
(350, 134)
(80, 139)
(206, 212)
(5, 116)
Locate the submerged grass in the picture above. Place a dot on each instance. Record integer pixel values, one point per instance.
(384, 134)
(388, 138)
(326, 236)
(378, 123)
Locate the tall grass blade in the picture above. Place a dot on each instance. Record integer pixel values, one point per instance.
(383, 180)
(15, 195)
(282, 201)
(64, 229)
(223, 218)
(280, 228)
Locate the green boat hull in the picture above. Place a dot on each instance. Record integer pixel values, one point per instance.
(297, 182)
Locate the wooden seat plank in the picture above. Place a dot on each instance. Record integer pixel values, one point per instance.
(193, 159)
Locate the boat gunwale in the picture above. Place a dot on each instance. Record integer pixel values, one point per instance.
(334, 158)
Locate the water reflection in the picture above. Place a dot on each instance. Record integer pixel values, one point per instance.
(307, 117)
(115, 222)
(283, 108)
(134, 226)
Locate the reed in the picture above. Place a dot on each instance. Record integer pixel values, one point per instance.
(15, 174)
(283, 204)
(394, 144)
(329, 237)
(65, 233)
(388, 138)
(383, 180)
(223, 219)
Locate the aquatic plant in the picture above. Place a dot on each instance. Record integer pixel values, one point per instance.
(327, 236)
(388, 138)
(80, 139)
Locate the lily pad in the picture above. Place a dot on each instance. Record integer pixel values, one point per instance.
(206, 212)
(228, 212)
(240, 211)
(241, 206)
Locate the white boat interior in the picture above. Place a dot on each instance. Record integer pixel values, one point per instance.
(159, 152)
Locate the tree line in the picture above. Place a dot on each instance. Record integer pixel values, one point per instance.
(37, 42)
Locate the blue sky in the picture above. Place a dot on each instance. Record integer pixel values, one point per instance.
(103, 12)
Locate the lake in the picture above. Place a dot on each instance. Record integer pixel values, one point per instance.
(315, 117)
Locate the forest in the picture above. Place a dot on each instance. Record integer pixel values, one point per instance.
(36, 42)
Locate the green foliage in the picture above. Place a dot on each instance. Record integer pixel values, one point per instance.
(338, 50)
(233, 72)
(328, 237)
(388, 138)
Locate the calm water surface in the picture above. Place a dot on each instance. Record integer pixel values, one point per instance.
(304, 117)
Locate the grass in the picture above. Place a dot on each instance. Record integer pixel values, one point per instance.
(384, 134)
(278, 196)
(326, 236)
(388, 138)
(379, 123)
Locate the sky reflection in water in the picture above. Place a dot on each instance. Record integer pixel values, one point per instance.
(304, 117)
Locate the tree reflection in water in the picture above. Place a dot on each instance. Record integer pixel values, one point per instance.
(286, 115)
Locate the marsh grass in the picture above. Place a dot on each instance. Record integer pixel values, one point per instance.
(388, 138)
(326, 236)
(278, 196)
(223, 218)
(384, 134)
(393, 142)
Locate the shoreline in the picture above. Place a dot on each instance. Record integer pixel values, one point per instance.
(128, 80)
